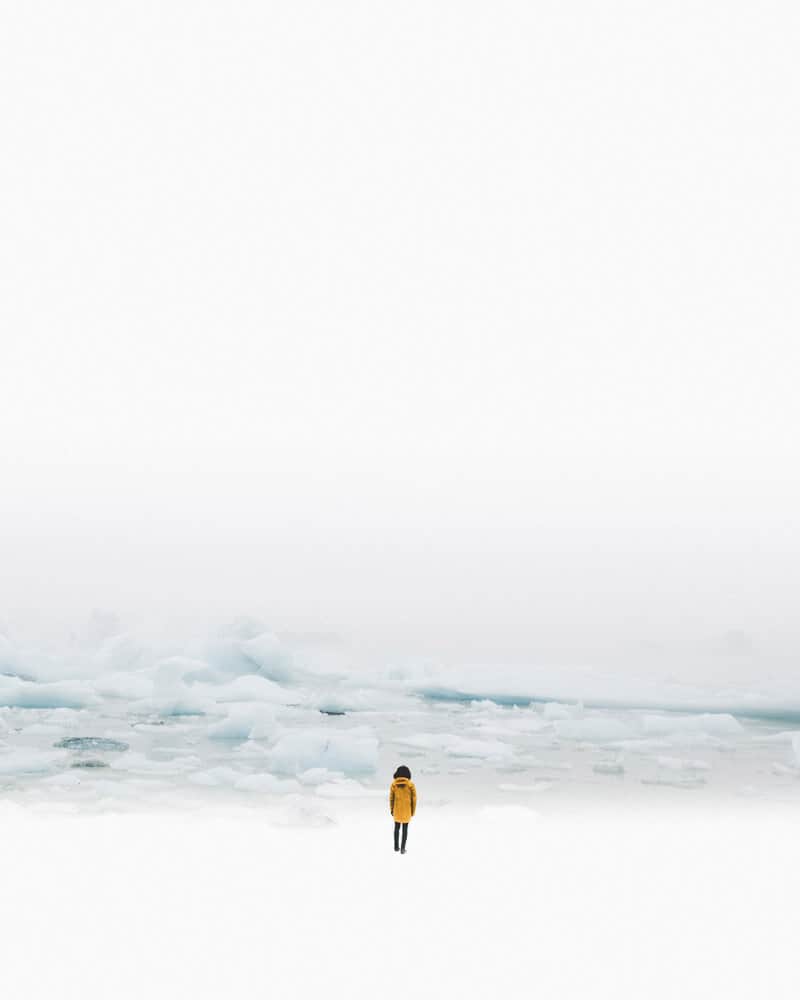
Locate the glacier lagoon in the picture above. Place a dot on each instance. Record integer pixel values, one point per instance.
(241, 718)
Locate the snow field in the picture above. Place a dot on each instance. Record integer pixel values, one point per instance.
(493, 902)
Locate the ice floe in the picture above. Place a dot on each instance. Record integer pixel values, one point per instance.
(594, 730)
(29, 761)
(459, 746)
(678, 781)
(608, 767)
(717, 725)
(269, 656)
(352, 751)
(681, 764)
(243, 722)
(58, 694)
(265, 782)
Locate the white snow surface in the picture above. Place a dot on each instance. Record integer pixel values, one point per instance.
(232, 904)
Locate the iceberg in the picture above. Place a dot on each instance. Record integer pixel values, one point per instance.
(268, 655)
(27, 761)
(353, 751)
(57, 694)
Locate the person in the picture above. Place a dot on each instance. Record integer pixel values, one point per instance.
(402, 804)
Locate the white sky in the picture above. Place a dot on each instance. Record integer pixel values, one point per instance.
(477, 322)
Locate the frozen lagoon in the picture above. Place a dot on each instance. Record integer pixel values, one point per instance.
(243, 720)
(102, 758)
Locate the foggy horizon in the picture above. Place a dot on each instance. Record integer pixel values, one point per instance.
(495, 354)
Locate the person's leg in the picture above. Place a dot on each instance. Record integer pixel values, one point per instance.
(396, 835)
(405, 835)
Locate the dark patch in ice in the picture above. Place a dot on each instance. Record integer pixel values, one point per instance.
(18, 676)
(90, 743)
(609, 767)
(89, 763)
(332, 711)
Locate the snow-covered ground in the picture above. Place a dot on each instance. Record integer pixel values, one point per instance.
(489, 901)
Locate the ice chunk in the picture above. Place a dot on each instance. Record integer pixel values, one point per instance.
(250, 750)
(140, 762)
(215, 776)
(539, 786)
(121, 654)
(787, 736)
(548, 765)
(459, 746)
(64, 780)
(593, 730)
(348, 789)
(318, 776)
(641, 746)
(252, 687)
(352, 751)
(30, 761)
(58, 694)
(244, 722)
(608, 767)
(679, 764)
(678, 781)
(266, 783)
(172, 695)
(45, 729)
(714, 724)
(554, 711)
(796, 746)
(243, 627)
(507, 728)
(127, 686)
(188, 704)
(173, 671)
(9, 657)
(267, 653)
(343, 700)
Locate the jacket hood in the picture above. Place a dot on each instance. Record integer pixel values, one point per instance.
(401, 781)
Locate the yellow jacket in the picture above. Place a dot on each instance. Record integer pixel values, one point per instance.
(402, 800)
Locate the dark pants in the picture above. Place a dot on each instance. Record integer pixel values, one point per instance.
(397, 833)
